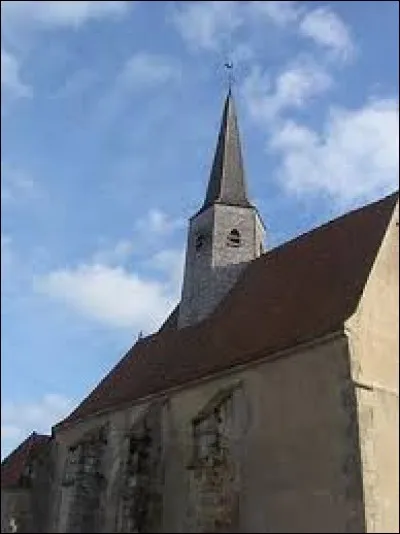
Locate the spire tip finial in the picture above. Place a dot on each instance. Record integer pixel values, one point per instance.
(229, 67)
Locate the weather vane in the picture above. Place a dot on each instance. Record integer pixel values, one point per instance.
(229, 68)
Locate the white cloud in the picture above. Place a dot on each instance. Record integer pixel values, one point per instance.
(207, 25)
(214, 26)
(169, 260)
(153, 227)
(51, 14)
(19, 419)
(280, 12)
(354, 158)
(144, 70)
(241, 53)
(328, 30)
(171, 263)
(22, 18)
(293, 88)
(113, 295)
(117, 254)
(10, 76)
(159, 223)
(107, 290)
(355, 155)
(76, 84)
(140, 73)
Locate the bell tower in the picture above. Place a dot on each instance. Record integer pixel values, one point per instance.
(225, 234)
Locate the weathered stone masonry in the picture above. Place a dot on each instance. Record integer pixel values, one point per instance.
(140, 507)
(214, 469)
(85, 476)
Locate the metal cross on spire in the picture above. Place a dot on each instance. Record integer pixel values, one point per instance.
(229, 68)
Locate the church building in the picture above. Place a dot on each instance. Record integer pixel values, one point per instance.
(266, 402)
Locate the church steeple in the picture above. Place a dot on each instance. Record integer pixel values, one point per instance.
(227, 184)
(225, 234)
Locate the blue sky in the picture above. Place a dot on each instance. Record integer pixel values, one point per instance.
(110, 112)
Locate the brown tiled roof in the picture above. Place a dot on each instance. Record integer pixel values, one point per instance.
(171, 321)
(12, 467)
(295, 293)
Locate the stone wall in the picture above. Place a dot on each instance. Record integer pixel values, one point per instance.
(214, 468)
(85, 474)
(374, 340)
(112, 484)
(16, 510)
(269, 448)
(25, 508)
(212, 268)
(140, 507)
(42, 472)
(291, 453)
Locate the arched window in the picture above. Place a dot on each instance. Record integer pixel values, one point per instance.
(234, 238)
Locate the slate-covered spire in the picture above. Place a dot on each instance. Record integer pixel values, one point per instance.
(225, 234)
(227, 184)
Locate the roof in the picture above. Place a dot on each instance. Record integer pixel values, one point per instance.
(13, 466)
(227, 184)
(297, 292)
(171, 321)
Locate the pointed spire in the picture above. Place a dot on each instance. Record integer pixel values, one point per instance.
(227, 184)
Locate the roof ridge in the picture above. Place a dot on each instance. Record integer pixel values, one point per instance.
(329, 222)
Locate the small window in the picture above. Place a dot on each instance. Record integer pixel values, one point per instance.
(199, 241)
(234, 238)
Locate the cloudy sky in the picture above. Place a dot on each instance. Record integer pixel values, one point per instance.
(110, 112)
